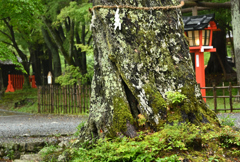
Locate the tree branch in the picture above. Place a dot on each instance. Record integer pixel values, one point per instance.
(6, 34)
(193, 3)
(7, 43)
(58, 42)
(185, 10)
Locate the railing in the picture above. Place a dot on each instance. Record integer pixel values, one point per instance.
(67, 99)
(225, 94)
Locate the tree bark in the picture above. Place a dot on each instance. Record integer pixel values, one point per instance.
(36, 53)
(135, 67)
(2, 89)
(57, 71)
(236, 33)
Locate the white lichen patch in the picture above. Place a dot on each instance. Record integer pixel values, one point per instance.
(139, 66)
(176, 59)
(197, 91)
(144, 103)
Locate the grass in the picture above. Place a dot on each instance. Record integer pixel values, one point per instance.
(220, 101)
(20, 101)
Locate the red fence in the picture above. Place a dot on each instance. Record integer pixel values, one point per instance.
(15, 82)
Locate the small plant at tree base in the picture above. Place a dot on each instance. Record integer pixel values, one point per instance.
(172, 158)
(141, 120)
(10, 154)
(175, 98)
(227, 121)
(79, 127)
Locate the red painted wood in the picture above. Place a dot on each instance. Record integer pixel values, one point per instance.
(200, 71)
(10, 86)
(33, 82)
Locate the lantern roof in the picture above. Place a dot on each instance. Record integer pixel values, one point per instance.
(198, 22)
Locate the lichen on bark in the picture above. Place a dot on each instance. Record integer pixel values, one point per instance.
(137, 65)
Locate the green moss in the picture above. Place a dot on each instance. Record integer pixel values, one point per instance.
(155, 98)
(121, 115)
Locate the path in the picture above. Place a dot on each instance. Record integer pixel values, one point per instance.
(25, 125)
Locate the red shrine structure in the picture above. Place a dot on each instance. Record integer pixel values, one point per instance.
(199, 31)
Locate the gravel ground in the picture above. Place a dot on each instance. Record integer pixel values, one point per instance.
(18, 126)
(235, 116)
(21, 126)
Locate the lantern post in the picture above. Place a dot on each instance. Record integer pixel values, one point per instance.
(199, 31)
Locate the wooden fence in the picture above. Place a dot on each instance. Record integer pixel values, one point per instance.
(227, 92)
(67, 100)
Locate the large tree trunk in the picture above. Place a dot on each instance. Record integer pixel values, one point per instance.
(236, 33)
(135, 67)
(218, 62)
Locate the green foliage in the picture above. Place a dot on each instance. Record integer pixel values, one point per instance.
(72, 75)
(174, 98)
(172, 158)
(227, 121)
(141, 119)
(77, 11)
(48, 150)
(10, 154)
(84, 48)
(172, 143)
(26, 100)
(7, 55)
(79, 127)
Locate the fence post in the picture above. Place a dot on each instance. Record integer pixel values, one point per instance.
(52, 98)
(39, 98)
(224, 97)
(65, 99)
(215, 97)
(230, 95)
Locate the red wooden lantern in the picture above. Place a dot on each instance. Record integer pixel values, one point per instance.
(199, 31)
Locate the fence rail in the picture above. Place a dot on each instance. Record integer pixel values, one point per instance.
(76, 99)
(224, 95)
(67, 100)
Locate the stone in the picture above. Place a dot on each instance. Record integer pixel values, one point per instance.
(31, 157)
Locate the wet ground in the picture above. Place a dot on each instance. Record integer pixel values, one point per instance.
(14, 125)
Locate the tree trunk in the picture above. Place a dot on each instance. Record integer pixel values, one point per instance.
(57, 71)
(214, 64)
(135, 67)
(36, 64)
(236, 33)
(2, 89)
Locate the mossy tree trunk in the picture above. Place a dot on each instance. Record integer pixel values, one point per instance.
(236, 31)
(135, 67)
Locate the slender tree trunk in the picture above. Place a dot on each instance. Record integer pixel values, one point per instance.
(57, 71)
(219, 64)
(36, 64)
(135, 67)
(2, 89)
(26, 83)
(236, 33)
